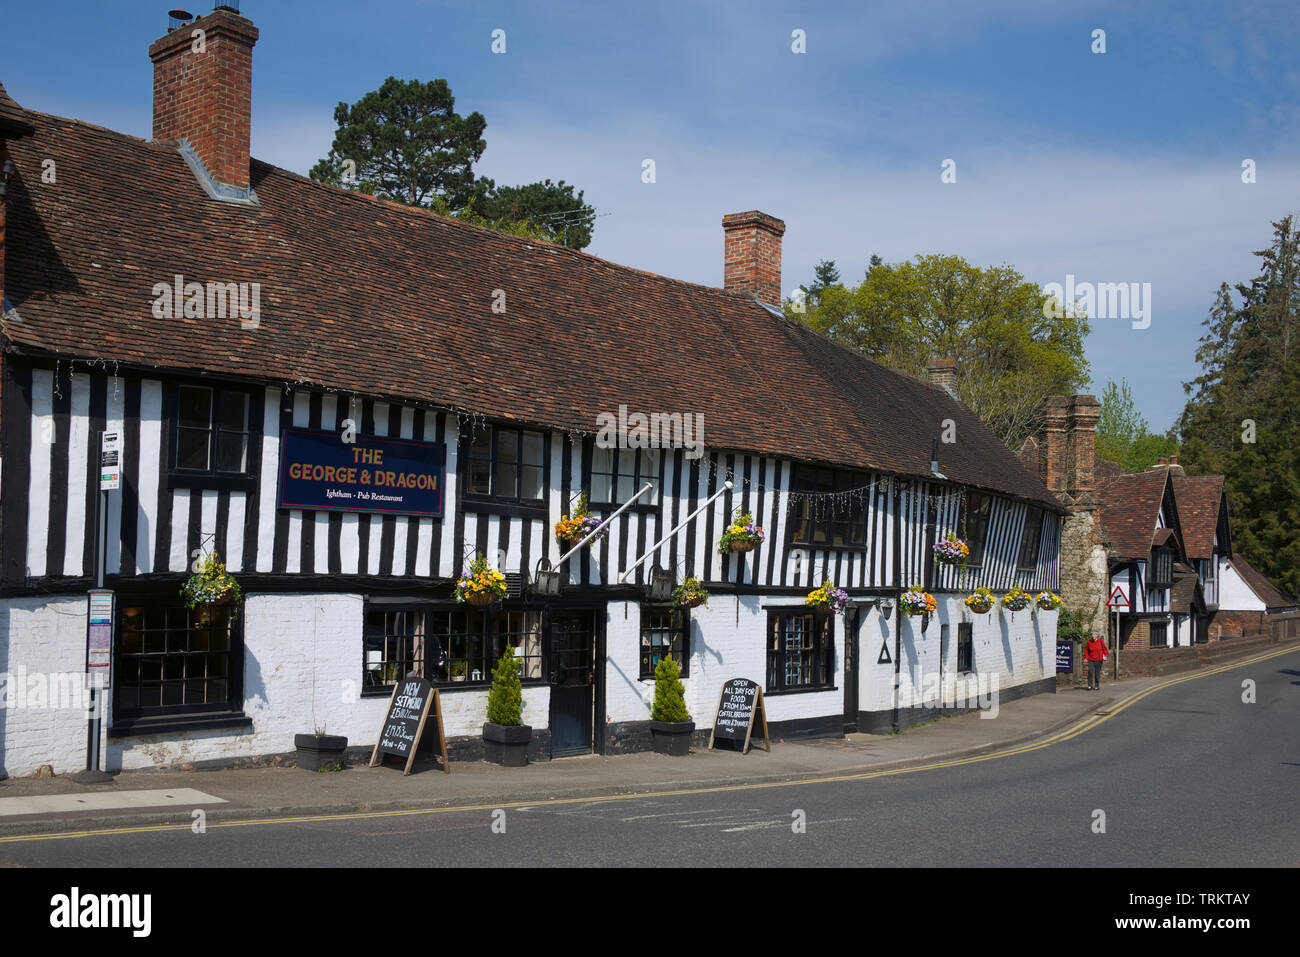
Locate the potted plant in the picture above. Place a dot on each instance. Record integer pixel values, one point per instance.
(320, 751)
(951, 550)
(742, 535)
(828, 597)
(482, 584)
(670, 722)
(690, 594)
(212, 587)
(980, 601)
(505, 737)
(1046, 601)
(571, 529)
(1016, 600)
(916, 601)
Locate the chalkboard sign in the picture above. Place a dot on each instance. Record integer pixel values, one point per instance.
(739, 705)
(408, 709)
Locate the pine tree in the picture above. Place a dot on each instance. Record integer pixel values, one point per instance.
(505, 700)
(670, 693)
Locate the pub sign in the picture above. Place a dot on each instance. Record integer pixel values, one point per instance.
(319, 471)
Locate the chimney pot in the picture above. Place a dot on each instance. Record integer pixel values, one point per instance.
(752, 255)
(943, 373)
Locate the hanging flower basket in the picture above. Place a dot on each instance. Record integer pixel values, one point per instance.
(828, 597)
(211, 586)
(951, 550)
(1016, 600)
(482, 584)
(917, 601)
(571, 529)
(980, 601)
(742, 535)
(690, 594)
(1046, 601)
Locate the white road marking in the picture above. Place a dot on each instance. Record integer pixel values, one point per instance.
(105, 801)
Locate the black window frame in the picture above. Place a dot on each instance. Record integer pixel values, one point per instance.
(965, 648)
(640, 474)
(803, 520)
(976, 539)
(1033, 524)
(494, 627)
(1163, 627)
(1162, 561)
(470, 440)
(680, 652)
(821, 656)
(215, 430)
(180, 631)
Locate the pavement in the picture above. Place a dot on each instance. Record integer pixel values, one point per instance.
(162, 797)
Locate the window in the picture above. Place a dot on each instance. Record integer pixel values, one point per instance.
(447, 645)
(965, 647)
(174, 660)
(665, 631)
(1162, 568)
(394, 647)
(522, 630)
(618, 474)
(212, 430)
(827, 520)
(1159, 634)
(799, 651)
(507, 464)
(975, 524)
(1029, 540)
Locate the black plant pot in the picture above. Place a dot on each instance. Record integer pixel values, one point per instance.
(320, 751)
(506, 745)
(672, 737)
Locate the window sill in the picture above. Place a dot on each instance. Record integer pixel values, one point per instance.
(512, 508)
(817, 690)
(181, 723)
(212, 480)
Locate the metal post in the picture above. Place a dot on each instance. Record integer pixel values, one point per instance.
(726, 487)
(92, 773)
(603, 525)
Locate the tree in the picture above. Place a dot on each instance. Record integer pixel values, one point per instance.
(1011, 352)
(505, 700)
(825, 274)
(1123, 435)
(563, 217)
(1244, 409)
(406, 142)
(670, 693)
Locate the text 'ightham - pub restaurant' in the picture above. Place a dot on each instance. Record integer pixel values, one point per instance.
(356, 422)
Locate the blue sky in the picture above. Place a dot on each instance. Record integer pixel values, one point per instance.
(1115, 167)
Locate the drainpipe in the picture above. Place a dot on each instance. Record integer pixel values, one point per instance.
(898, 578)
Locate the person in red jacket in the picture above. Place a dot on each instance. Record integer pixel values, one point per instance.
(1094, 652)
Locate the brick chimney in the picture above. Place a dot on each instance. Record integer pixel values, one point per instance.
(1052, 453)
(203, 92)
(1085, 413)
(1174, 467)
(943, 373)
(752, 255)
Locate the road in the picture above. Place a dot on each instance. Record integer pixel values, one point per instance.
(1189, 775)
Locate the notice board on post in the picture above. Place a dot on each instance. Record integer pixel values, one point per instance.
(408, 711)
(740, 707)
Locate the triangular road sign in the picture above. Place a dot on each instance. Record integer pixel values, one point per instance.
(1117, 598)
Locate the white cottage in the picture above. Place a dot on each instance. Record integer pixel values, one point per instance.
(349, 334)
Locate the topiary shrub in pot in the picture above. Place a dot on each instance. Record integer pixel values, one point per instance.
(670, 722)
(505, 739)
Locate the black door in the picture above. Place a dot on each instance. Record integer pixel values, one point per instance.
(851, 625)
(573, 678)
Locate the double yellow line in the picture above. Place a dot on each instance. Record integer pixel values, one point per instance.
(1087, 724)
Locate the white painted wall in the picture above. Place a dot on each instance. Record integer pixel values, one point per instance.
(1234, 593)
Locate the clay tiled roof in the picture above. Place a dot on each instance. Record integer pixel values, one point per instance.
(371, 297)
(1130, 508)
(1185, 590)
(1198, 498)
(13, 118)
(1269, 594)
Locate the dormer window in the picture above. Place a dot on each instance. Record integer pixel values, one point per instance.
(1162, 568)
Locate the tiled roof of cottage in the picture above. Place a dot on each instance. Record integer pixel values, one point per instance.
(367, 296)
(1198, 498)
(1130, 508)
(1186, 589)
(12, 116)
(1269, 594)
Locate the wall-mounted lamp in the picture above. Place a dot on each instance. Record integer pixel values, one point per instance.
(886, 608)
(661, 584)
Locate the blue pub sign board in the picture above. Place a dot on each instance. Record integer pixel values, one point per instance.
(319, 471)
